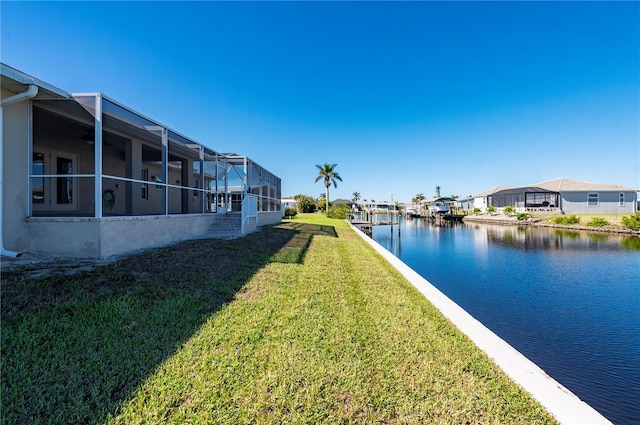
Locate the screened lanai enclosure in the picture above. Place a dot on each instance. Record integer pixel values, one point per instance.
(245, 176)
(86, 176)
(90, 148)
(524, 197)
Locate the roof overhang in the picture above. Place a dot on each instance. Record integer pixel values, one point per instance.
(16, 81)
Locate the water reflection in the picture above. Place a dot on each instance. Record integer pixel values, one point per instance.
(530, 238)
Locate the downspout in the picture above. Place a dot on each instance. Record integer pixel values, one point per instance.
(31, 92)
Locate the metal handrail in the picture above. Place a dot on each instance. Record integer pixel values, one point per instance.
(249, 210)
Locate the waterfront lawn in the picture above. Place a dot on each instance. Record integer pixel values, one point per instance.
(298, 323)
(614, 219)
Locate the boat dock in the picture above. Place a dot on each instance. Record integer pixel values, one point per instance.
(367, 225)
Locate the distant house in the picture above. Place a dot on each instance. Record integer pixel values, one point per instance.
(562, 195)
(288, 202)
(429, 207)
(465, 204)
(378, 206)
(85, 176)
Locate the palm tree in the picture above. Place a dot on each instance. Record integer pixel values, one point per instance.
(328, 174)
(416, 199)
(356, 196)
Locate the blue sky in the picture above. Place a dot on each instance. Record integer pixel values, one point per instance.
(403, 96)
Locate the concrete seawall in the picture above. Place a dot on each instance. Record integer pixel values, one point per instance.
(565, 406)
(512, 221)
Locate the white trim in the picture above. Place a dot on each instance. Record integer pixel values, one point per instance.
(97, 158)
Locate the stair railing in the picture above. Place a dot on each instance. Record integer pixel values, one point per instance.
(249, 210)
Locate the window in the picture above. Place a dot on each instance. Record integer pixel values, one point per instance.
(37, 184)
(144, 186)
(64, 185)
(593, 199)
(621, 200)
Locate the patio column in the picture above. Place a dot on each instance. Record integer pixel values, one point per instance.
(165, 164)
(133, 164)
(246, 179)
(226, 183)
(200, 183)
(165, 170)
(201, 180)
(97, 158)
(186, 172)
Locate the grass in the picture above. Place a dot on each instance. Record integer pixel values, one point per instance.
(299, 323)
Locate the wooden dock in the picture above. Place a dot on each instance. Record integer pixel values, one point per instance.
(367, 226)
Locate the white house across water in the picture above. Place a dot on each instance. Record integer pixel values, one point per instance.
(562, 195)
(85, 176)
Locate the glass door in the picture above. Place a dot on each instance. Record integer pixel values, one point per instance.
(58, 193)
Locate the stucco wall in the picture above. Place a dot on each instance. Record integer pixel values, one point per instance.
(250, 225)
(131, 233)
(15, 177)
(576, 203)
(269, 217)
(78, 237)
(88, 237)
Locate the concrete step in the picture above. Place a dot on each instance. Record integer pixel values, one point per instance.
(226, 226)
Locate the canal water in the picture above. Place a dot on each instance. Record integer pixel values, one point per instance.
(568, 301)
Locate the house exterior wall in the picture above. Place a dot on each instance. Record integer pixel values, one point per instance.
(266, 218)
(57, 217)
(16, 136)
(87, 237)
(480, 202)
(608, 203)
(100, 238)
(251, 225)
(64, 237)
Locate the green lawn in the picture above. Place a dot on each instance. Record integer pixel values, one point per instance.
(298, 323)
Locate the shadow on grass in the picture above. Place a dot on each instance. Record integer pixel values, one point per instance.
(74, 348)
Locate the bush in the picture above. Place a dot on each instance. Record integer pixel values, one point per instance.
(632, 222)
(475, 211)
(566, 219)
(290, 211)
(339, 211)
(508, 210)
(523, 216)
(598, 222)
(491, 209)
(306, 204)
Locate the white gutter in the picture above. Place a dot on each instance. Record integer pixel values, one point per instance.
(31, 92)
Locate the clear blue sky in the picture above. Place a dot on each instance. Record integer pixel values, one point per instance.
(404, 97)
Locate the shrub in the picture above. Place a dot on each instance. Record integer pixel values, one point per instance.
(290, 211)
(339, 211)
(508, 210)
(476, 210)
(306, 203)
(523, 216)
(491, 209)
(632, 222)
(597, 222)
(566, 219)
